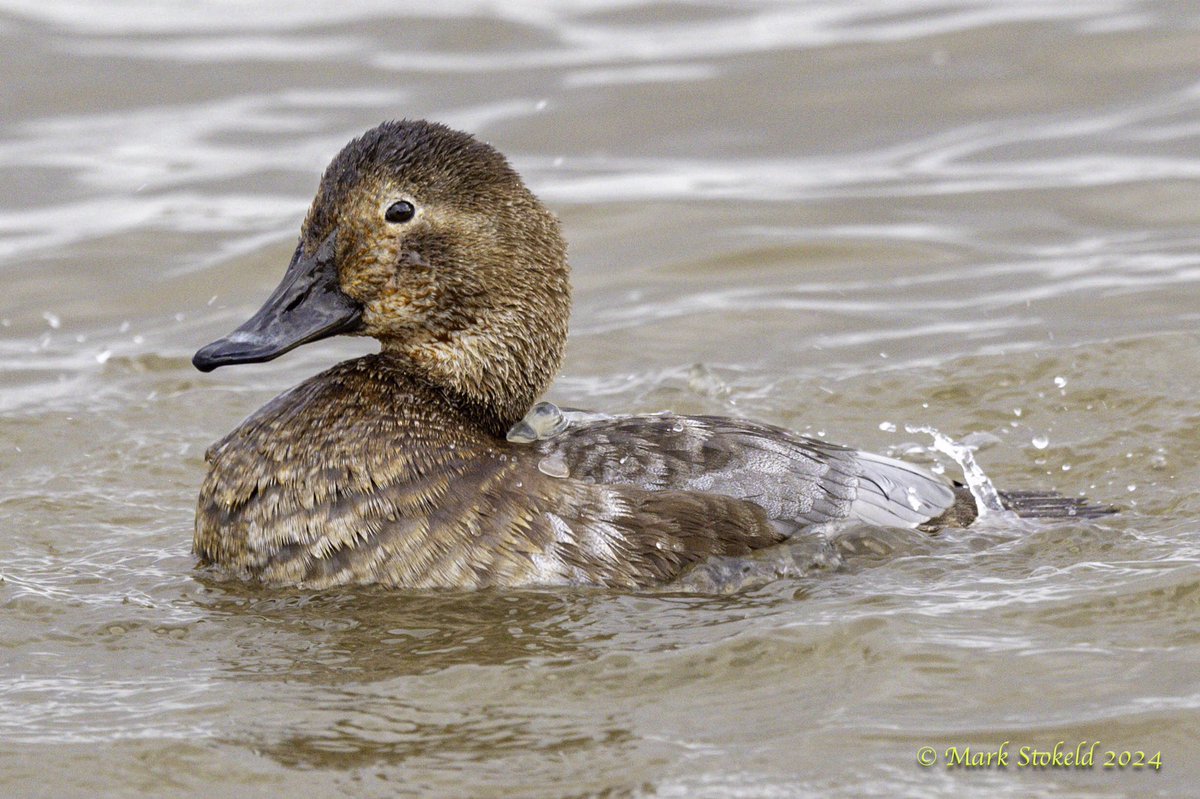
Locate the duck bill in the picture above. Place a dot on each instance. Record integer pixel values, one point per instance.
(308, 305)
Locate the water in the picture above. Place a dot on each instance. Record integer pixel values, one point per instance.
(979, 217)
(987, 498)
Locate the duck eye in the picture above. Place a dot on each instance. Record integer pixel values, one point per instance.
(401, 211)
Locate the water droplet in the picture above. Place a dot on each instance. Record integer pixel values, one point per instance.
(103, 356)
(1061, 382)
(1131, 488)
(914, 501)
(677, 427)
(52, 320)
(1040, 442)
(887, 427)
(553, 466)
(522, 433)
(543, 421)
(1016, 411)
(1066, 467)
(937, 468)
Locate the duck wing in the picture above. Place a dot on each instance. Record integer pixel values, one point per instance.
(797, 481)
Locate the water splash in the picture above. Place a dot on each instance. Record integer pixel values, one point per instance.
(987, 498)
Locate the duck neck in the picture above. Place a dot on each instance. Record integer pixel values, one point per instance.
(492, 378)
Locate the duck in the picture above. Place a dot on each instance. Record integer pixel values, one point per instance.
(430, 465)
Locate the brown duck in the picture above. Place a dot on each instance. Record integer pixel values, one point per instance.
(395, 469)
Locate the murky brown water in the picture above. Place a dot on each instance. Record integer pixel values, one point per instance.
(844, 217)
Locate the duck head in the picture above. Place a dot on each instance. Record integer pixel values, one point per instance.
(427, 240)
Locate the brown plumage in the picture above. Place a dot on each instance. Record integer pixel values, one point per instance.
(367, 473)
(393, 468)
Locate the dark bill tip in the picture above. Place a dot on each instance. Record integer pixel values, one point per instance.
(237, 347)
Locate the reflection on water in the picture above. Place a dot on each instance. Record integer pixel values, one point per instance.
(847, 218)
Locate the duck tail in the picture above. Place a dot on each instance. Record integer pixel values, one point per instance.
(1026, 504)
(1052, 505)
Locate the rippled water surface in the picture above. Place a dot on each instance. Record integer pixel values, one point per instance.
(844, 217)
